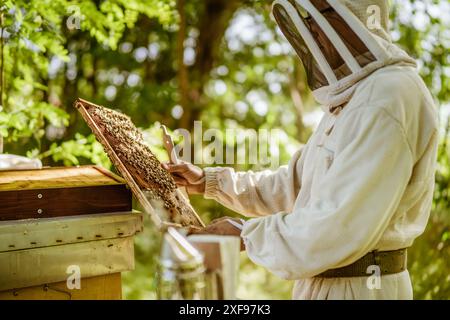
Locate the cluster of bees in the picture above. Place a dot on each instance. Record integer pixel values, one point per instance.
(128, 143)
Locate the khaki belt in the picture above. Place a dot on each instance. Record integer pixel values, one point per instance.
(389, 262)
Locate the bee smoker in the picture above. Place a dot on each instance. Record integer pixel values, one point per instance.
(181, 274)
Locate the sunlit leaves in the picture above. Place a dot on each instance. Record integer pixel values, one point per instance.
(36, 31)
(73, 151)
(422, 28)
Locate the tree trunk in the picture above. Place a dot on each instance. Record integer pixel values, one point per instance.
(183, 76)
(212, 25)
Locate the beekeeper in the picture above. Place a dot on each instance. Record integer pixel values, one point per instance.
(352, 201)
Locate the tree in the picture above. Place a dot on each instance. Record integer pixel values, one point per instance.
(173, 62)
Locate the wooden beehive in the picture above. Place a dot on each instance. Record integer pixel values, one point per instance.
(104, 287)
(56, 192)
(152, 185)
(36, 255)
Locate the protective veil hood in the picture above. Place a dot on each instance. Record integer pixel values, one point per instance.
(340, 42)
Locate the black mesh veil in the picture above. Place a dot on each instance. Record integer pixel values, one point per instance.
(343, 51)
(316, 78)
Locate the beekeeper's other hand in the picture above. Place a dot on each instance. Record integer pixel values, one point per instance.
(225, 226)
(187, 175)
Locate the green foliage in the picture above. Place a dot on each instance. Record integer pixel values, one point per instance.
(430, 256)
(140, 283)
(71, 152)
(26, 121)
(35, 34)
(429, 262)
(421, 27)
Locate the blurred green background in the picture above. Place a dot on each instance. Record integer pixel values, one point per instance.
(173, 62)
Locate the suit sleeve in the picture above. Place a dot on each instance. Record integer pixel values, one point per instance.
(255, 194)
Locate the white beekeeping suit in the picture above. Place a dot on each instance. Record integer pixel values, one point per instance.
(365, 179)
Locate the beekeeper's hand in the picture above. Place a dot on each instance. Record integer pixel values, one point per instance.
(187, 175)
(225, 226)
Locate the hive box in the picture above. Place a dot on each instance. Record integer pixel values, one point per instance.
(60, 224)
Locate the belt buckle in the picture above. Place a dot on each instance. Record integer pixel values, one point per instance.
(376, 258)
